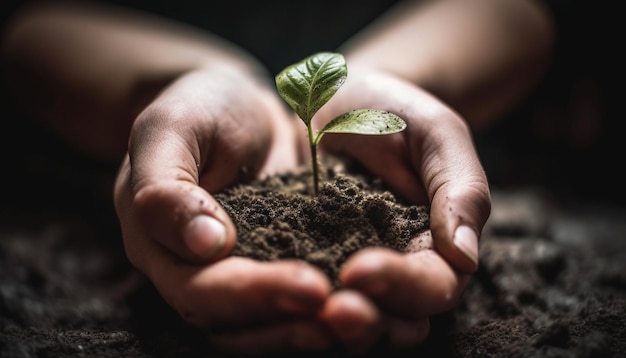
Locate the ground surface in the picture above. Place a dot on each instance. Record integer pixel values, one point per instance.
(551, 283)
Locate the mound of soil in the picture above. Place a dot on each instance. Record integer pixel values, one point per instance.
(279, 218)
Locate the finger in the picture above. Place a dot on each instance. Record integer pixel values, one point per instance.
(275, 303)
(385, 157)
(239, 291)
(169, 205)
(306, 335)
(414, 285)
(179, 215)
(354, 320)
(288, 142)
(457, 186)
(183, 147)
(185, 219)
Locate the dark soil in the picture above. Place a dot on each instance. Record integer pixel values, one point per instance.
(279, 217)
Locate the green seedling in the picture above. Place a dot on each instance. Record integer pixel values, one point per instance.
(307, 85)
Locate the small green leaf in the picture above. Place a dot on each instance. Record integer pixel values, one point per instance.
(364, 121)
(307, 85)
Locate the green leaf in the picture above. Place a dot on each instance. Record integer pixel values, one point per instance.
(307, 85)
(364, 121)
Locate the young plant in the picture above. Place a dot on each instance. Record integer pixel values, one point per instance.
(307, 85)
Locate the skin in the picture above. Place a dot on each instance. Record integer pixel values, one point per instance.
(186, 114)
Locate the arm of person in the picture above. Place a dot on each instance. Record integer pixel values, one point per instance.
(87, 70)
(480, 56)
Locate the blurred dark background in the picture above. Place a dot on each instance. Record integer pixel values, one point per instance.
(565, 137)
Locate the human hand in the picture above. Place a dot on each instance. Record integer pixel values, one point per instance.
(432, 162)
(209, 129)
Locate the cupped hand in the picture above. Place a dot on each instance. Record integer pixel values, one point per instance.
(211, 128)
(432, 162)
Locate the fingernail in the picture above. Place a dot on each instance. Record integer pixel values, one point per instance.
(466, 240)
(205, 236)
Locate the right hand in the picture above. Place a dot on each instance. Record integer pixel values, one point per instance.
(433, 162)
(207, 130)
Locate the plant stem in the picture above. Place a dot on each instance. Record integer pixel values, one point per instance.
(314, 164)
(313, 144)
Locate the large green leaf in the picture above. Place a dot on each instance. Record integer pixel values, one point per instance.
(364, 121)
(307, 85)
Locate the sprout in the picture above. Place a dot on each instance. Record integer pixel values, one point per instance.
(307, 85)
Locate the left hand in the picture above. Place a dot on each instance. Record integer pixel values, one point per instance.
(188, 144)
(433, 162)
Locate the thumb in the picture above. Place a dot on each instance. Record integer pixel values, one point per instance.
(459, 192)
(158, 199)
(186, 219)
(458, 214)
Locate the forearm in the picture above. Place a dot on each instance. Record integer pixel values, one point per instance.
(87, 71)
(479, 56)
